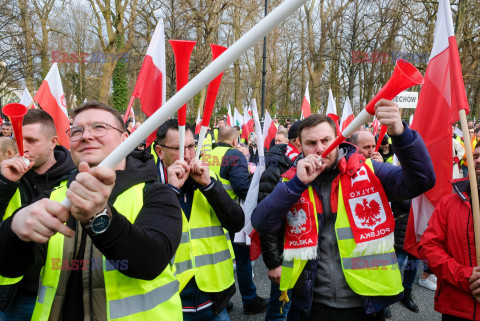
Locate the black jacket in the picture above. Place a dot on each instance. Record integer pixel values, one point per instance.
(401, 211)
(148, 244)
(31, 185)
(276, 163)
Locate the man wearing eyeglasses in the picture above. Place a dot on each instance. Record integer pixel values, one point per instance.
(122, 230)
(203, 261)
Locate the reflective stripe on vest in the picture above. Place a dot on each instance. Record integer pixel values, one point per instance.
(127, 298)
(14, 204)
(205, 249)
(373, 275)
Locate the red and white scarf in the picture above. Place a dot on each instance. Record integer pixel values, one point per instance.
(368, 211)
(292, 152)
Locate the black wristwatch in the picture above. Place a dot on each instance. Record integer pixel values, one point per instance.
(99, 223)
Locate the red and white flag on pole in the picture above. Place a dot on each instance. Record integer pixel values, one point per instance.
(248, 124)
(332, 110)
(151, 86)
(306, 110)
(269, 130)
(51, 98)
(198, 123)
(375, 125)
(440, 99)
(347, 115)
(229, 117)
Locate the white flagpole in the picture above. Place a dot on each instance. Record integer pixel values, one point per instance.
(273, 19)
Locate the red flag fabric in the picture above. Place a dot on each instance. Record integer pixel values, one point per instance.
(375, 125)
(269, 130)
(306, 110)
(440, 99)
(347, 115)
(332, 110)
(247, 127)
(151, 82)
(51, 98)
(198, 123)
(229, 117)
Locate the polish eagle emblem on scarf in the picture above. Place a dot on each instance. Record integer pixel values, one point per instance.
(296, 221)
(368, 213)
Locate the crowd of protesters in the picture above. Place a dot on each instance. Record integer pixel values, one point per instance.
(154, 238)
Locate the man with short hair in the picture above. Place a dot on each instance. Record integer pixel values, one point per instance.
(203, 261)
(7, 130)
(20, 184)
(231, 168)
(8, 148)
(122, 230)
(365, 142)
(338, 255)
(281, 137)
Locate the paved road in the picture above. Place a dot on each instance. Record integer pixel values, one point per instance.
(423, 298)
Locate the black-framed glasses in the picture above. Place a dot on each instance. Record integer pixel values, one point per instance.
(95, 129)
(189, 147)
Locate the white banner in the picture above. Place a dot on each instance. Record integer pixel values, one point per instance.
(406, 99)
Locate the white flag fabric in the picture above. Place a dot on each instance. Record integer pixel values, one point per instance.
(252, 196)
(26, 99)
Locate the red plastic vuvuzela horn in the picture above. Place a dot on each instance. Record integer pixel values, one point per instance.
(182, 50)
(213, 86)
(16, 112)
(404, 76)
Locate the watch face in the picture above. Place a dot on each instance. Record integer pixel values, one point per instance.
(100, 223)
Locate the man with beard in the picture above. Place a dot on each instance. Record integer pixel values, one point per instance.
(338, 255)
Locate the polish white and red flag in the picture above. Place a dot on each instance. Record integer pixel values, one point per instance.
(347, 115)
(375, 125)
(248, 124)
(306, 110)
(332, 110)
(198, 123)
(229, 117)
(151, 86)
(441, 97)
(269, 130)
(51, 98)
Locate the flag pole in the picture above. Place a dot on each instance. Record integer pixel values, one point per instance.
(473, 181)
(215, 68)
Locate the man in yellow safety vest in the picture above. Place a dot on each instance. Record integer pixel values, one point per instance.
(109, 256)
(338, 256)
(204, 259)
